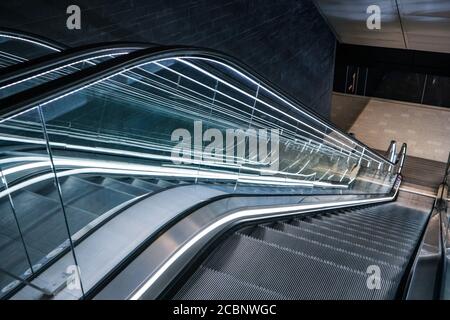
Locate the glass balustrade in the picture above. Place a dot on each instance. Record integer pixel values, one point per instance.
(58, 70)
(160, 124)
(16, 48)
(33, 222)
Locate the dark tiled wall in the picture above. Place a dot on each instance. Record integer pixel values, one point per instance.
(287, 41)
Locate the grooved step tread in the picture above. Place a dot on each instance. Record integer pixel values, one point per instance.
(298, 275)
(325, 256)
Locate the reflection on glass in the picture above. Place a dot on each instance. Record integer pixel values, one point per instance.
(172, 122)
(46, 76)
(17, 49)
(15, 260)
(33, 226)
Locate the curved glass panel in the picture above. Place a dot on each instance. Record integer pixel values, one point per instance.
(15, 49)
(33, 225)
(180, 121)
(67, 68)
(190, 120)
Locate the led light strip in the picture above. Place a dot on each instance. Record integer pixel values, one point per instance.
(169, 159)
(31, 41)
(249, 214)
(182, 60)
(249, 106)
(110, 167)
(59, 68)
(281, 99)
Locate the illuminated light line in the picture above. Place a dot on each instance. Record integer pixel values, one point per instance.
(107, 78)
(260, 101)
(304, 166)
(109, 167)
(31, 41)
(134, 79)
(155, 170)
(323, 176)
(23, 159)
(282, 99)
(143, 155)
(56, 70)
(248, 106)
(343, 175)
(27, 166)
(247, 214)
(13, 57)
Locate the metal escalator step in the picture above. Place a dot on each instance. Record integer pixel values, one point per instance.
(42, 223)
(228, 288)
(393, 212)
(119, 186)
(388, 214)
(29, 208)
(52, 232)
(392, 231)
(372, 213)
(90, 197)
(364, 231)
(352, 259)
(382, 219)
(378, 223)
(290, 273)
(368, 243)
(339, 243)
(34, 211)
(142, 184)
(165, 184)
(13, 258)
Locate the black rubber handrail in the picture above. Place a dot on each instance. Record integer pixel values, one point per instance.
(447, 172)
(53, 89)
(33, 37)
(44, 64)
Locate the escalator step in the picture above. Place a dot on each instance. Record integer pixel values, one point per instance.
(378, 224)
(88, 196)
(118, 186)
(365, 241)
(364, 231)
(142, 184)
(229, 288)
(376, 253)
(43, 227)
(13, 258)
(396, 213)
(30, 208)
(385, 215)
(353, 259)
(52, 232)
(292, 274)
(384, 220)
(166, 184)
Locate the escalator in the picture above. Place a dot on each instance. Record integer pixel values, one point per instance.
(28, 75)
(88, 198)
(18, 47)
(94, 176)
(329, 254)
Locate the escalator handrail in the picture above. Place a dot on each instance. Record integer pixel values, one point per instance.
(29, 69)
(31, 37)
(184, 249)
(59, 87)
(447, 172)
